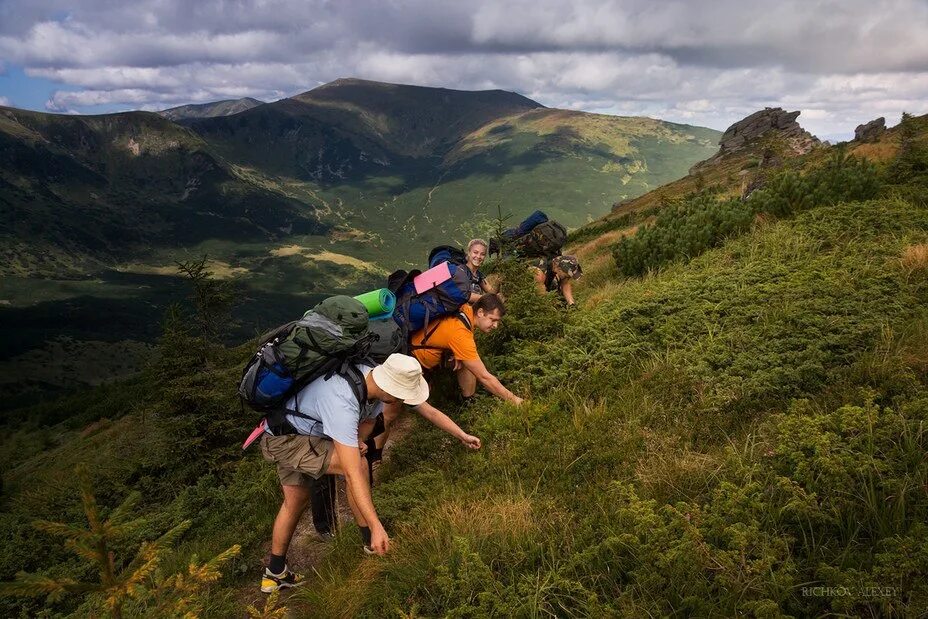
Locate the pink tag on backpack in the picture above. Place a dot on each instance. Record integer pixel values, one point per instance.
(436, 275)
(255, 434)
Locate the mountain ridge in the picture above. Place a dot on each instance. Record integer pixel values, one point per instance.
(225, 107)
(288, 198)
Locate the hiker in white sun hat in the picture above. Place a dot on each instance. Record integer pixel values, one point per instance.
(401, 377)
(323, 433)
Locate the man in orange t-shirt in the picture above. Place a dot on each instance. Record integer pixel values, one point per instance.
(454, 336)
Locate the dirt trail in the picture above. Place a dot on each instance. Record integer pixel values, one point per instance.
(307, 550)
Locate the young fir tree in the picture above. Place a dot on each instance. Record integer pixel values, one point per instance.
(499, 225)
(212, 298)
(270, 610)
(140, 582)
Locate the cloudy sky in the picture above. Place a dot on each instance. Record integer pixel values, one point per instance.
(710, 63)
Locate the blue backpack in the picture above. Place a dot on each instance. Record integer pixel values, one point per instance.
(413, 310)
(447, 253)
(509, 236)
(525, 227)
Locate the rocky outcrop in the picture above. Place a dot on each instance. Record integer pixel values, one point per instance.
(871, 131)
(746, 132)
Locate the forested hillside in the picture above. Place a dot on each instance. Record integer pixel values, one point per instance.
(324, 192)
(732, 423)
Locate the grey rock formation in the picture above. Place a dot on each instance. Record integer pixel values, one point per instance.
(745, 133)
(870, 131)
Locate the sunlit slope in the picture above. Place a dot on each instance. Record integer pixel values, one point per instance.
(425, 165)
(572, 165)
(712, 439)
(208, 110)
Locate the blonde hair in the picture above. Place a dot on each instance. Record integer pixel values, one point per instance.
(477, 242)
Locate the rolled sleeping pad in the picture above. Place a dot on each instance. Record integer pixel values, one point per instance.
(379, 303)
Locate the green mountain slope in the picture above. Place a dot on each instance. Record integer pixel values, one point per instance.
(418, 165)
(95, 211)
(226, 107)
(738, 433)
(323, 192)
(85, 192)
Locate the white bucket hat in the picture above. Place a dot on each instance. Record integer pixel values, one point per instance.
(401, 377)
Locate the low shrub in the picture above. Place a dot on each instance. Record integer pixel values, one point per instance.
(702, 221)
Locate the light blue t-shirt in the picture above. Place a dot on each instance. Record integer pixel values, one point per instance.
(333, 409)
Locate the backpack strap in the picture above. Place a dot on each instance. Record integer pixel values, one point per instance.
(357, 383)
(464, 320)
(347, 370)
(429, 334)
(460, 316)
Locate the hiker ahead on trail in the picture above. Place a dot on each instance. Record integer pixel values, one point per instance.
(557, 273)
(542, 239)
(449, 342)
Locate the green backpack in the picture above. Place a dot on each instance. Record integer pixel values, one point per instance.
(330, 339)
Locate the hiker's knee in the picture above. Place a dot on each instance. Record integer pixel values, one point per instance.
(467, 381)
(296, 497)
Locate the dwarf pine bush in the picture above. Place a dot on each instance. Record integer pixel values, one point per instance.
(702, 221)
(911, 165)
(734, 436)
(138, 584)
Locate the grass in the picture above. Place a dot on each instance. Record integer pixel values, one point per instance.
(699, 442)
(723, 437)
(915, 259)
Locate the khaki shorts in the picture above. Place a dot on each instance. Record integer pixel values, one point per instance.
(299, 458)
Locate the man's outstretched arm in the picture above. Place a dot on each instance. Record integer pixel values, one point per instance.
(567, 290)
(445, 423)
(492, 384)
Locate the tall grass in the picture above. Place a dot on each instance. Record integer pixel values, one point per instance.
(713, 440)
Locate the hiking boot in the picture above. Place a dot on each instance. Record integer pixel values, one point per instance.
(275, 582)
(325, 536)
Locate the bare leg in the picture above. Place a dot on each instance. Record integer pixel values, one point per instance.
(295, 500)
(467, 382)
(390, 414)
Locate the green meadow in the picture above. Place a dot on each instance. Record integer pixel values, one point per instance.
(739, 430)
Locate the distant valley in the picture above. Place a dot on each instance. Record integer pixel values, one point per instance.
(319, 193)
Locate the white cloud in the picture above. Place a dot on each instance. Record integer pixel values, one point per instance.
(6, 101)
(701, 62)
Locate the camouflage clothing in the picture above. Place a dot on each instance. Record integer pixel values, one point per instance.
(568, 265)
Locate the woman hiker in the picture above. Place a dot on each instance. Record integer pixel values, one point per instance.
(476, 254)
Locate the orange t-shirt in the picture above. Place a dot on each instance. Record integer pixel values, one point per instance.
(450, 334)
